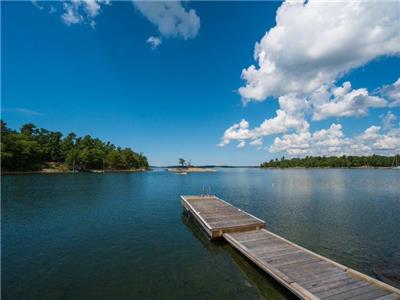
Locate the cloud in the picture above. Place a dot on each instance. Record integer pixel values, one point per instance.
(290, 116)
(316, 42)
(371, 133)
(256, 142)
(326, 141)
(82, 11)
(92, 8)
(389, 142)
(154, 42)
(391, 92)
(238, 131)
(295, 112)
(388, 120)
(170, 18)
(241, 144)
(35, 3)
(71, 15)
(22, 111)
(52, 10)
(376, 140)
(299, 60)
(332, 141)
(343, 101)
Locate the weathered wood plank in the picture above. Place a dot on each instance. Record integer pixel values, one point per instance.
(312, 269)
(266, 243)
(277, 252)
(310, 275)
(359, 292)
(331, 284)
(239, 220)
(273, 272)
(252, 235)
(293, 261)
(343, 289)
(323, 280)
(378, 292)
(392, 296)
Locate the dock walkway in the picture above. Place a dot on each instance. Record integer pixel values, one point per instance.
(305, 273)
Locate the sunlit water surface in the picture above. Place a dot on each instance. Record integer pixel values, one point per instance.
(120, 236)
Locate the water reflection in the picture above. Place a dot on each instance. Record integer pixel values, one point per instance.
(253, 275)
(121, 235)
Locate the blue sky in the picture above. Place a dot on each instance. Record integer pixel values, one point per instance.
(94, 73)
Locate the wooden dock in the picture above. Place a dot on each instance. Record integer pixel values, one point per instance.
(305, 273)
(218, 217)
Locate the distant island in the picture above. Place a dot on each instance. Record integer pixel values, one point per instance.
(38, 149)
(190, 170)
(185, 167)
(373, 161)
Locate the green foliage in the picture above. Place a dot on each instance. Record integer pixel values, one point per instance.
(31, 148)
(332, 162)
(182, 162)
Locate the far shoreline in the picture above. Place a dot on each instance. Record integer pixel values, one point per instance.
(184, 170)
(55, 171)
(326, 168)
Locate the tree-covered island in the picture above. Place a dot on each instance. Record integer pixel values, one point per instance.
(36, 149)
(373, 161)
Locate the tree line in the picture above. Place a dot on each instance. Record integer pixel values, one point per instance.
(333, 162)
(34, 148)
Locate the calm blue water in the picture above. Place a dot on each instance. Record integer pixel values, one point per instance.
(118, 236)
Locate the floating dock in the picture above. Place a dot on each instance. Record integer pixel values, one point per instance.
(218, 217)
(305, 273)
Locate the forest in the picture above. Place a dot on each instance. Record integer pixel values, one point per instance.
(333, 162)
(33, 149)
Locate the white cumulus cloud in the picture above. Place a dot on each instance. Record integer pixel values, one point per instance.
(325, 141)
(256, 142)
(241, 144)
(391, 92)
(71, 15)
(238, 132)
(315, 42)
(171, 18)
(290, 116)
(389, 120)
(299, 61)
(332, 141)
(81, 11)
(154, 42)
(343, 101)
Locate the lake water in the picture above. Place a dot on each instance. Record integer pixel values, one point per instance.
(120, 236)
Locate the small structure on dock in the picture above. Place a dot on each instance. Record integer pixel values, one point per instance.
(305, 273)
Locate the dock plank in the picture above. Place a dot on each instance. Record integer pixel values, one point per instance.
(305, 273)
(218, 217)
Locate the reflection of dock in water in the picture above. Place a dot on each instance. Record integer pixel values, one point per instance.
(389, 271)
(268, 289)
(305, 273)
